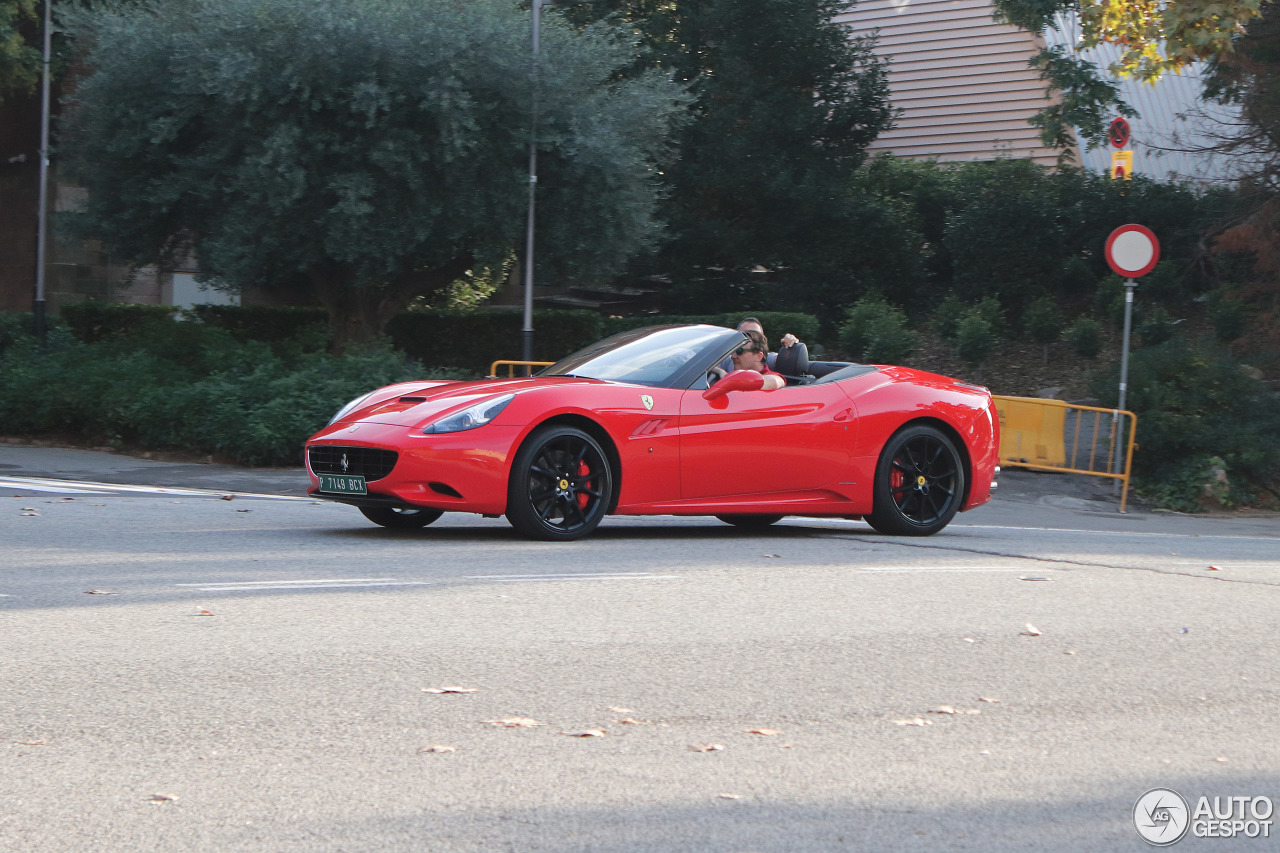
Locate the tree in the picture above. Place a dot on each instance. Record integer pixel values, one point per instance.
(375, 148)
(1043, 322)
(19, 60)
(786, 105)
(1155, 38)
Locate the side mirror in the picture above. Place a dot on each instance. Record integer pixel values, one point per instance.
(739, 380)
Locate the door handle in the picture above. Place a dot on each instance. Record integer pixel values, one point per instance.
(843, 416)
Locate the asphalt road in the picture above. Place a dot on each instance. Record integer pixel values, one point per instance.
(183, 672)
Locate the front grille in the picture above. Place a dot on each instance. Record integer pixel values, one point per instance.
(368, 462)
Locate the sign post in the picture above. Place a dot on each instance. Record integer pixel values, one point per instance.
(1132, 251)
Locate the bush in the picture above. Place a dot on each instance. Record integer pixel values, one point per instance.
(946, 317)
(1155, 327)
(1194, 402)
(264, 322)
(1085, 337)
(876, 332)
(196, 389)
(92, 321)
(776, 323)
(976, 337)
(1043, 322)
(1227, 314)
(473, 340)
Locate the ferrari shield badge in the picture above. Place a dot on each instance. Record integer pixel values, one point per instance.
(647, 400)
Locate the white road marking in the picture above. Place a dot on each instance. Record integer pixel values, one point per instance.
(42, 484)
(1147, 533)
(337, 583)
(577, 576)
(921, 570)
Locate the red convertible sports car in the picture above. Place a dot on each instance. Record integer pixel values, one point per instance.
(640, 424)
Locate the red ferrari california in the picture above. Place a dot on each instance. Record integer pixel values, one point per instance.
(642, 424)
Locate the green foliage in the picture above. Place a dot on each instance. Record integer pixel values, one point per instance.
(1043, 321)
(1156, 326)
(1227, 314)
(189, 387)
(1085, 337)
(264, 322)
(946, 317)
(876, 332)
(976, 337)
(373, 147)
(786, 105)
(776, 323)
(92, 321)
(1077, 277)
(473, 340)
(19, 60)
(1086, 101)
(1194, 402)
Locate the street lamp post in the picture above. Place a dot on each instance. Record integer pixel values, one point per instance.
(527, 333)
(42, 219)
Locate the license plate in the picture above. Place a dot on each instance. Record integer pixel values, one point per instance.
(341, 485)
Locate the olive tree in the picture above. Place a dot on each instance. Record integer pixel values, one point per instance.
(374, 149)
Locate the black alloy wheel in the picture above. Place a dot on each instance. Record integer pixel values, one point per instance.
(919, 483)
(561, 485)
(750, 522)
(400, 517)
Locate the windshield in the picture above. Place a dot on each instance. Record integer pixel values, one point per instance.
(662, 356)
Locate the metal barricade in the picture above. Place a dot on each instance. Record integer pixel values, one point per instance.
(1050, 435)
(512, 365)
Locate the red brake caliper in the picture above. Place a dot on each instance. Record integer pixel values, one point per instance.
(896, 479)
(583, 471)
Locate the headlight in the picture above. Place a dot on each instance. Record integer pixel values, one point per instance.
(476, 416)
(349, 407)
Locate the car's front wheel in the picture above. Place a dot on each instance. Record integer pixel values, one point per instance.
(919, 483)
(399, 517)
(560, 486)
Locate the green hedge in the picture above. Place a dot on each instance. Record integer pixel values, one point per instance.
(473, 340)
(263, 322)
(776, 323)
(92, 321)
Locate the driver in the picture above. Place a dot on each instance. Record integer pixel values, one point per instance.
(751, 356)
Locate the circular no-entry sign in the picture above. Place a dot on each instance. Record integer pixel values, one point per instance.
(1133, 251)
(1118, 132)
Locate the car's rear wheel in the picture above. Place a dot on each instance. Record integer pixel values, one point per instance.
(750, 522)
(561, 485)
(919, 483)
(400, 517)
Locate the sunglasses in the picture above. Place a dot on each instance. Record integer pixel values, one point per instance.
(741, 350)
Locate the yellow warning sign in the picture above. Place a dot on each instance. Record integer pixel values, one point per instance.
(1122, 165)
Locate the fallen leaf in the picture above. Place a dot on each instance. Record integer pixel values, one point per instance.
(943, 709)
(514, 723)
(67, 499)
(450, 690)
(969, 640)
(762, 731)
(242, 510)
(786, 746)
(29, 514)
(1214, 569)
(628, 721)
(729, 796)
(706, 747)
(989, 699)
(1069, 652)
(99, 592)
(1185, 631)
(1032, 631)
(586, 733)
(774, 556)
(228, 497)
(205, 613)
(40, 742)
(1221, 758)
(438, 748)
(915, 721)
(614, 709)
(162, 798)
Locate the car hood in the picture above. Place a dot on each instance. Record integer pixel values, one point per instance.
(411, 403)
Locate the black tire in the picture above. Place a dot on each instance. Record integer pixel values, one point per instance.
(401, 518)
(750, 522)
(919, 483)
(561, 485)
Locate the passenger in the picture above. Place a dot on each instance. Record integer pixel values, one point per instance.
(751, 356)
(750, 324)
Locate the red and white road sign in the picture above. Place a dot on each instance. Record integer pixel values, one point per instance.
(1133, 251)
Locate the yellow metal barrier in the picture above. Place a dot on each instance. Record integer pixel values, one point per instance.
(1050, 435)
(512, 365)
